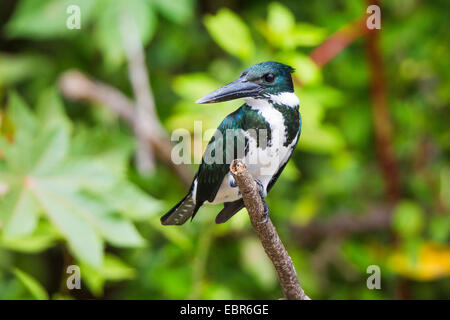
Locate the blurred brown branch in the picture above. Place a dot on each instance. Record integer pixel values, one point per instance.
(267, 233)
(376, 219)
(339, 41)
(145, 114)
(77, 86)
(381, 117)
(343, 225)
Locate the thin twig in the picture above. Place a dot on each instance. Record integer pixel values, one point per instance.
(145, 113)
(267, 233)
(76, 85)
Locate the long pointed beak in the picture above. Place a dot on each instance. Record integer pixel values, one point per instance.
(241, 88)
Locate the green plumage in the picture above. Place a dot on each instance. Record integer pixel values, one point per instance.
(210, 175)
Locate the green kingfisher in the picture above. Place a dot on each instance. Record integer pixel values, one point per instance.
(263, 133)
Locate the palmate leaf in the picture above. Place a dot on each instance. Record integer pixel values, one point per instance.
(73, 222)
(79, 195)
(18, 212)
(43, 237)
(132, 202)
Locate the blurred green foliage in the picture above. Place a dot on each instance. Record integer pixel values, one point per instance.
(70, 193)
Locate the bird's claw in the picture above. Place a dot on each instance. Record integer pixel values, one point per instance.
(266, 212)
(261, 189)
(232, 181)
(263, 194)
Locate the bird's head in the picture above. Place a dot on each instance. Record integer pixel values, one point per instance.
(259, 81)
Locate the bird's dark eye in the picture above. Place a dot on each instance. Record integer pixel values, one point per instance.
(269, 77)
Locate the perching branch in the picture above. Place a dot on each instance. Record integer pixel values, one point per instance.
(267, 234)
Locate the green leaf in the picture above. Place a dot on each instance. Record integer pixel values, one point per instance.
(317, 136)
(281, 30)
(34, 287)
(108, 33)
(116, 270)
(309, 71)
(132, 202)
(120, 232)
(18, 67)
(48, 152)
(18, 212)
(42, 238)
(73, 220)
(445, 186)
(408, 219)
(280, 19)
(231, 33)
(89, 173)
(50, 110)
(307, 35)
(178, 11)
(45, 147)
(113, 269)
(20, 114)
(358, 254)
(174, 235)
(75, 191)
(440, 228)
(190, 87)
(43, 19)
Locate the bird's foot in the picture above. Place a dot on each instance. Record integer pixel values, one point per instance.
(263, 194)
(261, 189)
(231, 181)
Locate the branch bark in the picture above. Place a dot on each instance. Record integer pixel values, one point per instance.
(267, 233)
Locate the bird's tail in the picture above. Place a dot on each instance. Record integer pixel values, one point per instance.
(178, 215)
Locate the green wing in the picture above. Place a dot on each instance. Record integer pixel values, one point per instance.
(214, 165)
